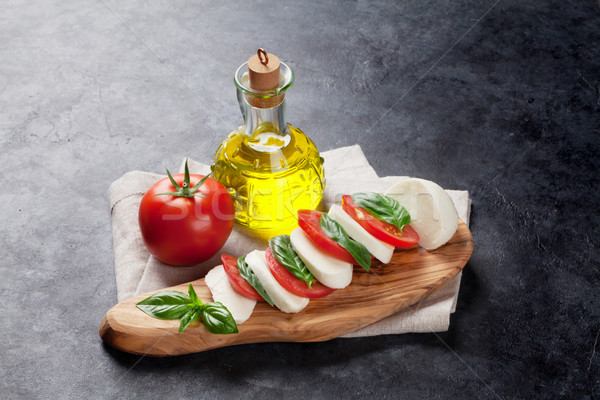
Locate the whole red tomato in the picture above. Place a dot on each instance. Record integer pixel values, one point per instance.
(186, 222)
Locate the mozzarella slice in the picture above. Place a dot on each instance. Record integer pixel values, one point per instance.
(431, 210)
(239, 306)
(284, 300)
(328, 270)
(381, 250)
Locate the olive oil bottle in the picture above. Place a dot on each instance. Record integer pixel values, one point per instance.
(270, 168)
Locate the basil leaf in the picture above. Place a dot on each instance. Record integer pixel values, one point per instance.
(166, 305)
(218, 319)
(282, 250)
(192, 315)
(252, 279)
(177, 305)
(193, 295)
(337, 233)
(383, 208)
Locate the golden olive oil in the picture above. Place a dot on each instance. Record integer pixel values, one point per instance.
(270, 176)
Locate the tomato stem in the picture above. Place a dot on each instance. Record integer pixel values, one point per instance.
(184, 190)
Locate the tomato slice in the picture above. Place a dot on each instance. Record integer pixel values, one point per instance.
(238, 283)
(308, 220)
(380, 229)
(293, 284)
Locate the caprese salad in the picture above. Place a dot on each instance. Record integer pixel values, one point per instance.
(319, 256)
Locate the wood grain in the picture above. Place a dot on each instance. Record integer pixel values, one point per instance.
(411, 276)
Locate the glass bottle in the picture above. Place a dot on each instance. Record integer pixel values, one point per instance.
(270, 168)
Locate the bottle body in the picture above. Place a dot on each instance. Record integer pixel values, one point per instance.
(270, 175)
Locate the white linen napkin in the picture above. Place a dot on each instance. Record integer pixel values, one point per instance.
(346, 171)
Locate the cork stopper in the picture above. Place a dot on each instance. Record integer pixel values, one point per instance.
(263, 73)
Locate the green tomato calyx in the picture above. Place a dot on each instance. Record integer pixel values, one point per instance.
(184, 190)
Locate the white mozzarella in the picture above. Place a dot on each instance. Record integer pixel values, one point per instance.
(284, 300)
(328, 270)
(432, 212)
(381, 250)
(239, 306)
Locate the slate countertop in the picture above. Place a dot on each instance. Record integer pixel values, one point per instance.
(500, 98)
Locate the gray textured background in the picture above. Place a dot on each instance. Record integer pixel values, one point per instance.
(497, 97)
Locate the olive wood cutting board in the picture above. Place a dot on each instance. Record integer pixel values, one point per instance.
(411, 276)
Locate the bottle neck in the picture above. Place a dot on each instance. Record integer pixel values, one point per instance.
(262, 120)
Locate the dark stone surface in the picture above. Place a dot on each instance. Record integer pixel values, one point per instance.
(499, 98)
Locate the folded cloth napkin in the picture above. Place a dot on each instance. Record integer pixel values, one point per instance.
(346, 171)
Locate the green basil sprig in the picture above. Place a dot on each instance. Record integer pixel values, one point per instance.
(249, 275)
(339, 235)
(383, 208)
(282, 250)
(176, 305)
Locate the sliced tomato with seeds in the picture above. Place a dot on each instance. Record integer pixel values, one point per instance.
(293, 284)
(238, 283)
(380, 229)
(308, 220)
